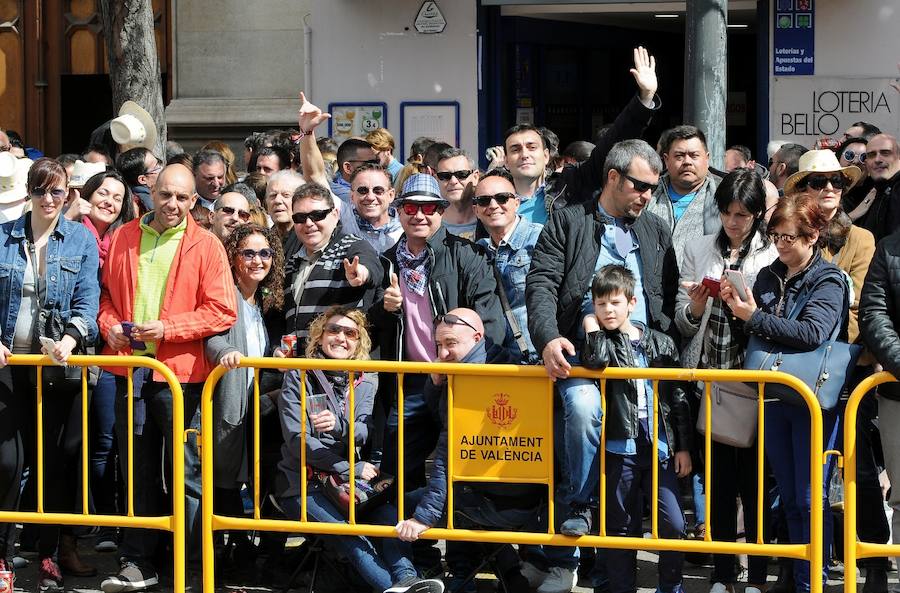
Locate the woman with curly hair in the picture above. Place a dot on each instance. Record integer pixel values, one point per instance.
(257, 265)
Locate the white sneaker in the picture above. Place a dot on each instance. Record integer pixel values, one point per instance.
(723, 588)
(560, 580)
(752, 590)
(534, 575)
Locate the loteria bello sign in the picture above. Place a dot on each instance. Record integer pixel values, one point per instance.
(501, 428)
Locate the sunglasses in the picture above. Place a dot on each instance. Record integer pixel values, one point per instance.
(451, 319)
(56, 194)
(820, 182)
(377, 190)
(313, 215)
(368, 162)
(640, 186)
(776, 237)
(428, 209)
(264, 254)
(334, 329)
(229, 211)
(850, 156)
(501, 198)
(448, 175)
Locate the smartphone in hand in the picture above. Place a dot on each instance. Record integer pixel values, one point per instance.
(127, 328)
(737, 281)
(712, 284)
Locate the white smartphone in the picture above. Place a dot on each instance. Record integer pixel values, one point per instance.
(736, 278)
(49, 344)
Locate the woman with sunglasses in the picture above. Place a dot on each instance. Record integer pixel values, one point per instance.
(852, 151)
(257, 266)
(800, 276)
(339, 333)
(717, 341)
(47, 263)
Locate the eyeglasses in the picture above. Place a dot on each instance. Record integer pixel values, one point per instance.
(154, 170)
(428, 209)
(850, 156)
(451, 319)
(776, 237)
(334, 329)
(640, 186)
(265, 254)
(501, 198)
(377, 190)
(820, 182)
(56, 194)
(229, 211)
(313, 215)
(447, 175)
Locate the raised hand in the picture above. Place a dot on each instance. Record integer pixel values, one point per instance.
(357, 273)
(309, 116)
(644, 73)
(393, 298)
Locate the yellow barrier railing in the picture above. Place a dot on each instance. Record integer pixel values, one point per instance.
(175, 521)
(810, 551)
(853, 549)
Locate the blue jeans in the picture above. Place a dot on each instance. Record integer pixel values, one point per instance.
(150, 439)
(420, 429)
(787, 448)
(380, 570)
(104, 486)
(578, 448)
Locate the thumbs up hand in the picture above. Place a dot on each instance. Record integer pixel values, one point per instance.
(357, 273)
(393, 299)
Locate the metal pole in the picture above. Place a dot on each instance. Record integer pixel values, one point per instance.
(705, 66)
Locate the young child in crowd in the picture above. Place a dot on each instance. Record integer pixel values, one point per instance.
(612, 339)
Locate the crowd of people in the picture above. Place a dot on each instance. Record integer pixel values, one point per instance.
(610, 253)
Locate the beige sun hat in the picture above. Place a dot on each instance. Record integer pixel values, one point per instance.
(13, 186)
(820, 161)
(82, 171)
(133, 128)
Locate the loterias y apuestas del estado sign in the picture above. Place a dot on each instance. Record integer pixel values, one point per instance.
(793, 38)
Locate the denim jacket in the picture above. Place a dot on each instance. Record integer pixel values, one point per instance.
(71, 276)
(512, 259)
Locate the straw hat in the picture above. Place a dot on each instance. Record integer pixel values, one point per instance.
(820, 161)
(13, 189)
(83, 171)
(133, 128)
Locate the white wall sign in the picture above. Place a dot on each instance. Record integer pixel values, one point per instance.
(430, 19)
(810, 107)
(434, 119)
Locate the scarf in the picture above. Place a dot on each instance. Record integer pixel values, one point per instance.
(102, 242)
(414, 269)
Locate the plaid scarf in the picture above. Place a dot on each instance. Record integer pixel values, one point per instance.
(414, 269)
(725, 341)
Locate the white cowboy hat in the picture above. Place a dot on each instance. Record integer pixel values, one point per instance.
(134, 127)
(821, 161)
(13, 189)
(83, 171)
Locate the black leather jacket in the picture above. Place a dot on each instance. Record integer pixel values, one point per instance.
(613, 348)
(879, 311)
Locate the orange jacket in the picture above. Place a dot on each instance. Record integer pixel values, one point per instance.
(199, 300)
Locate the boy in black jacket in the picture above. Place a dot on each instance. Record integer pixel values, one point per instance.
(613, 340)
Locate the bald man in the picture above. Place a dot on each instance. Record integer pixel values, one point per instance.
(166, 286)
(883, 163)
(230, 210)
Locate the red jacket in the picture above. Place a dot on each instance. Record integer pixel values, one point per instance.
(199, 300)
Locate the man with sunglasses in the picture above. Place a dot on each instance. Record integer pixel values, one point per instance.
(457, 175)
(230, 210)
(575, 243)
(883, 163)
(140, 168)
(166, 287)
(330, 268)
(372, 196)
(429, 272)
(352, 154)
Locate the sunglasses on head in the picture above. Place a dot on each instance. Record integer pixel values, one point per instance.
(334, 329)
(451, 319)
(428, 208)
(501, 198)
(313, 215)
(850, 156)
(640, 186)
(820, 182)
(229, 211)
(377, 190)
(447, 175)
(265, 254)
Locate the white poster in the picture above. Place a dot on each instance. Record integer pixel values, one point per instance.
(805, 108)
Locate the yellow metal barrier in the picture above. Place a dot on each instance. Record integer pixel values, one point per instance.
(460, 382)
(853, 549)
(175, 521)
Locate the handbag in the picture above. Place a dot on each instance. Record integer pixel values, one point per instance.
(369, 494)
(734, 413)
(825, 370)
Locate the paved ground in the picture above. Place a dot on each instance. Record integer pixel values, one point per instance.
(695, 577)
